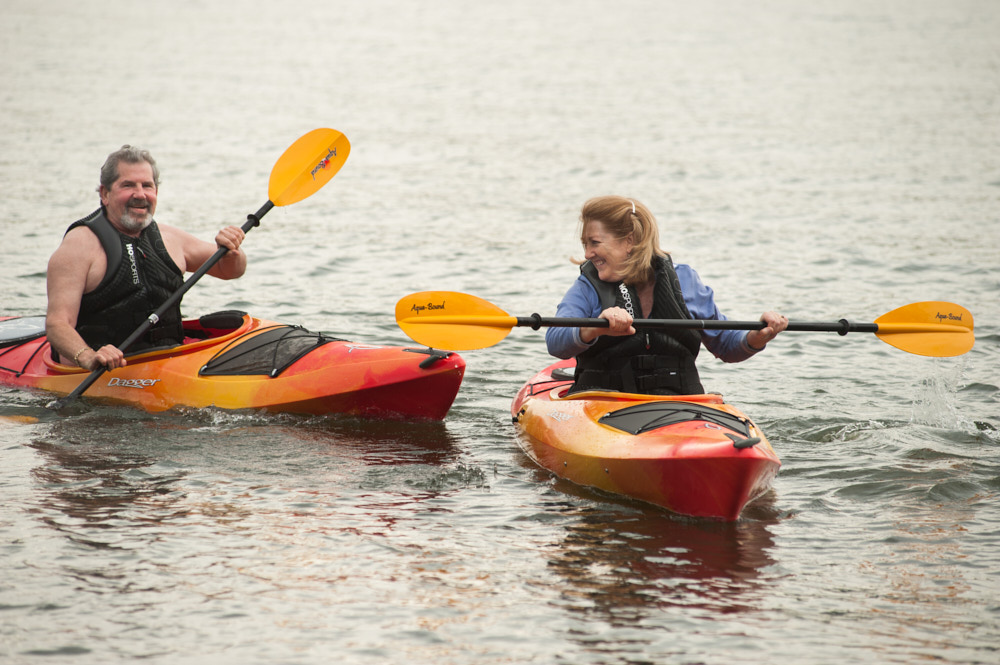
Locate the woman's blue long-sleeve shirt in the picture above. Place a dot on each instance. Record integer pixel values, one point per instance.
(582, 301)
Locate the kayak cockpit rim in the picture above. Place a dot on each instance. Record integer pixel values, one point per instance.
(247, 324)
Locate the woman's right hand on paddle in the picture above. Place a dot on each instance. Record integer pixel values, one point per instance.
(619, 324)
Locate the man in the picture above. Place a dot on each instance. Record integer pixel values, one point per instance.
(116, 266)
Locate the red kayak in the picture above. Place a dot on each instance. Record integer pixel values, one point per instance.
(231, 360)
(691, 454)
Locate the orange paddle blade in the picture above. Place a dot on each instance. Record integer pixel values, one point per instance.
(452, 320)
(933, 328)
(307, 165)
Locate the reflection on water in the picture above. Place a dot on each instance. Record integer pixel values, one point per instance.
(97, 487)
(384, 442)
(119, 441)
(632, 563)
(112, 470)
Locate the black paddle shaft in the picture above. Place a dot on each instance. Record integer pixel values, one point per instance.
(252, 221)
(841, 327)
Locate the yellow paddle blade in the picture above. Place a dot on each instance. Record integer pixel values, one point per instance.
(938, 329)
(307, 165)
(452, 320)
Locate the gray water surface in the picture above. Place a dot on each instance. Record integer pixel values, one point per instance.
(829, 160)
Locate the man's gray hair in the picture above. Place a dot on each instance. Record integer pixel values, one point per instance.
(129, 155)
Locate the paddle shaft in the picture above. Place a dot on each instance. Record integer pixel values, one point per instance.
(153, 319)
(842, 327)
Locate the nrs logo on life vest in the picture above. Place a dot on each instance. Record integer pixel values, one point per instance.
(132, 383)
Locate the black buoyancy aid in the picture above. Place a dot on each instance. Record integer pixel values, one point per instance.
(140, 276)
(652, 362)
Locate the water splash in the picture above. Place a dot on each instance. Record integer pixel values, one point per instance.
(937, 402)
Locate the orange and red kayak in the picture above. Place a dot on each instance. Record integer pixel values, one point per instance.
(691, 454)
(231, 360)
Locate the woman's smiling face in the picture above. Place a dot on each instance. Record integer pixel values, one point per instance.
(605, 251)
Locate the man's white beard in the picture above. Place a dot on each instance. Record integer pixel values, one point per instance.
(135, 223)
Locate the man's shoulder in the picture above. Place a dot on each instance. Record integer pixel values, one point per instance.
(79, 247)
(82, 236)
(92, 227)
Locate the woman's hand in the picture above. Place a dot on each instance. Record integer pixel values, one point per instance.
(774, 324)
(619, 324)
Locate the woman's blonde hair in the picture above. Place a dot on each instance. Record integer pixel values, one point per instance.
(621, 217)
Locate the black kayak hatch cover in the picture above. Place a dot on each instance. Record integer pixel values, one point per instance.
(645, 417)
(270, 352)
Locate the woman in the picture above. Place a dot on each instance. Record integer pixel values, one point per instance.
(627, 276)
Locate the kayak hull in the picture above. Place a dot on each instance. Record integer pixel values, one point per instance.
(336, 376)
(691, 454)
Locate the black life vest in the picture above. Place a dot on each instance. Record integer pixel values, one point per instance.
(139, 278)
(651, 362)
